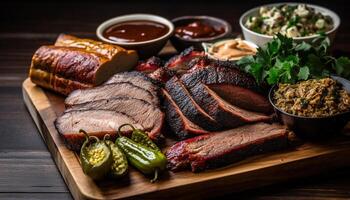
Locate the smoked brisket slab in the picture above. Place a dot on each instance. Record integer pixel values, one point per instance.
(94, 122)
(229, 115)
(178, 122)
(233, 85)
(136, 78)
(146, 114)
(188, 106)
(121, 89)
(226, 147)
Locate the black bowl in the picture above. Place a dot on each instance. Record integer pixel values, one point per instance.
(314, 127)
(181, 43)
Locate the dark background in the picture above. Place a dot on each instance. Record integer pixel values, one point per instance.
(26, 168)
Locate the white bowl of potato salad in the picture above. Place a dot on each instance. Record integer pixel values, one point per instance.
(302, 22)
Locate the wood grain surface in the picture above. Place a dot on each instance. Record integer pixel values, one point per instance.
(27, 170)
(304, 160)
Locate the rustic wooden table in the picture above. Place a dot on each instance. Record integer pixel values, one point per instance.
(27, 170)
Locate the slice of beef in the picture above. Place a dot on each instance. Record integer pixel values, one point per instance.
(242, 97)
(189, 107)
(181, 126)
(229, 115)
(144, 113)
(213, 74)
(233, 85)
(161, 75)
(121, 89)
(94, 122)
(180, 63)
(150, 65)
(226, 147)
(136, 78)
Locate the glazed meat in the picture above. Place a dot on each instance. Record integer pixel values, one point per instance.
(122, 89)
(136, 78)
(94, 122)
(178, 122)
(188, 106)
(65, 69)
(226, 147)
(75, 63)
(108, 51)
(149, 116)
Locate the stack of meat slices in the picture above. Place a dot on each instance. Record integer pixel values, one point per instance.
(213, 97)
(222, 107)
(128, 97)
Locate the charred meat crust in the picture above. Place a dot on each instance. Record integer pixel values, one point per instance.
(189, 107)
(222, 148)
(178, 122)
(180, 63)
(229, 115)
(220, 74)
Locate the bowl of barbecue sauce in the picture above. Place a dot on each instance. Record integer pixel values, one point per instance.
(142, 32)
(193, 30)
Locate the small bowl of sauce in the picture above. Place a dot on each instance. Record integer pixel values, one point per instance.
(193, 30)
(142, 32)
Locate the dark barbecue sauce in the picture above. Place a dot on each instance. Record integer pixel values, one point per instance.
(135, 31)
(198, 29)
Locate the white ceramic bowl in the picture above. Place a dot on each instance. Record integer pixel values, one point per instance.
(144, 48)
(207, 46)
(261, 39)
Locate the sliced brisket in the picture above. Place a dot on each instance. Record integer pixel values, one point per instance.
(146, 114)
(229, 115)
(178, 122)
(222, 148)
(242, 97)
(189, 107)
(94, 122)
(235, 86)
(136, 78)
(120, 89)
(180, 63)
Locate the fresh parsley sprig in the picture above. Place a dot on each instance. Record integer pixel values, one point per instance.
(284, 61)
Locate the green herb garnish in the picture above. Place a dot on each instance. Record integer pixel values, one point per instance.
(284, 61)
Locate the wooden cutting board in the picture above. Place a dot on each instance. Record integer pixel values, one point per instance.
(305, 160)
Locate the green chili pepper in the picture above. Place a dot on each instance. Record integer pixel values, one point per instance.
(119, 166)
(95, 157)
(141, 137)
(145, 159)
